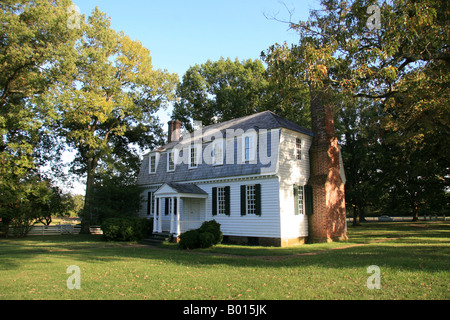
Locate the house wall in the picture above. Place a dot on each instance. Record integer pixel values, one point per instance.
(292, 171)
(267, 225)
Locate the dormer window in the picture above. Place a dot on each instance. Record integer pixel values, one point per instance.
(193, 157)
(249, 147)
(152, 163)
(217, 152)
(170, 161)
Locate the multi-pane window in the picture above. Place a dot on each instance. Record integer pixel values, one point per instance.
(193, 157)
(153, 163)
(298, 149)
(170, 161)
(217, 153)
(251, 199)
(221, 201)
(300, 202)
(249, 151)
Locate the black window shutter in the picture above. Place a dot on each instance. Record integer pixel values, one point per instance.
(296, 199)
(243, 201)
(175, 204)
(227, 200)
(258, 199)
(214, 201)
(309, 200)
(166, 212)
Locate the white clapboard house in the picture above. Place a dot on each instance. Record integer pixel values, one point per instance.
(249, 174)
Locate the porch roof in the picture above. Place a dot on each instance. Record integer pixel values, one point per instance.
(181, 189)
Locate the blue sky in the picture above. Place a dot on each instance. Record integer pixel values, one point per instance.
(180, 34)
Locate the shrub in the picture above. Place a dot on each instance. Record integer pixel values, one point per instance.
(190, 239)
(206, 236)
(126, 229)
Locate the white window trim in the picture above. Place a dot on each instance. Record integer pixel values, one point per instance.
(298, 151)
(221, 196)
(196, 147)
(301, 198)
(170, 153)
(217, 144)
(250, 190)
(155, 155)
(252, 147)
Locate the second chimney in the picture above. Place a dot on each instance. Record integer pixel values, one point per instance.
(174, 130)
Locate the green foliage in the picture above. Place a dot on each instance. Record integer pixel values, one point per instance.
(115, 198)
(222, 90)
(126, 229)
(206, 236)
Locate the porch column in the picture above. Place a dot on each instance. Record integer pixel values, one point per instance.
(178, 216)
(160, 216)
(172, 209)
(155, 214)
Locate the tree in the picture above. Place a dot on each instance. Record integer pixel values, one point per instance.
(342, 52)
(223, 90)
(34, 42)
(107, 109)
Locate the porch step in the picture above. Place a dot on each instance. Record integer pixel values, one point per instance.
(157, 238)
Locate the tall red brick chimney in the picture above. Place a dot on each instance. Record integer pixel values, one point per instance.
(174, 131)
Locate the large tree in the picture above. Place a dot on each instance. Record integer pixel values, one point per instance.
(222, 90)
(107, 112)
(360, 49)
(34, 41)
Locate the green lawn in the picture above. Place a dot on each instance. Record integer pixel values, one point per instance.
(414, 260)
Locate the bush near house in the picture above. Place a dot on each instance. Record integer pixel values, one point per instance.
(206, 236)
(126, 229)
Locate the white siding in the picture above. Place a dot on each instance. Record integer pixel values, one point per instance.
(292, 171)
(266, 225)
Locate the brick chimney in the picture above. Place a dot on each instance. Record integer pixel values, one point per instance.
(174, 130)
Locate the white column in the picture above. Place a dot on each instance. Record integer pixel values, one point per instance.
(178, 215)
(172, 209)
(155, 214)
(160, 215)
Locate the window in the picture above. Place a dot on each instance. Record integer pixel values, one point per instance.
(248, 147)
(221, 200)
(193, 157)
(303, 200)
(298, 149)
(251, 199)
(150, 203)
(217, 152)
(170, 161)
(152, 166)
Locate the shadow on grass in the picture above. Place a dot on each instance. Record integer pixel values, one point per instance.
(412, 248)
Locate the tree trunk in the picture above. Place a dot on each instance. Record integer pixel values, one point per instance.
(88, 199)
(328, 221)
(356, 215)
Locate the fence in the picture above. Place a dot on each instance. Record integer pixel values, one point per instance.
(56, 230)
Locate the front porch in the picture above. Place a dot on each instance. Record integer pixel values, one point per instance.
(179, 208)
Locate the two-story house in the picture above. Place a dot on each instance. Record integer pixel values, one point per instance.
(249, 174)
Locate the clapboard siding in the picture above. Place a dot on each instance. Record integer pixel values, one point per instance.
(292, 171)
(266, 225)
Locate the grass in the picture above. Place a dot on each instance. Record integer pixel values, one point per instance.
(413, 259)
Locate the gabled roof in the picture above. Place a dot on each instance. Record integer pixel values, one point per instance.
(262, 120)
